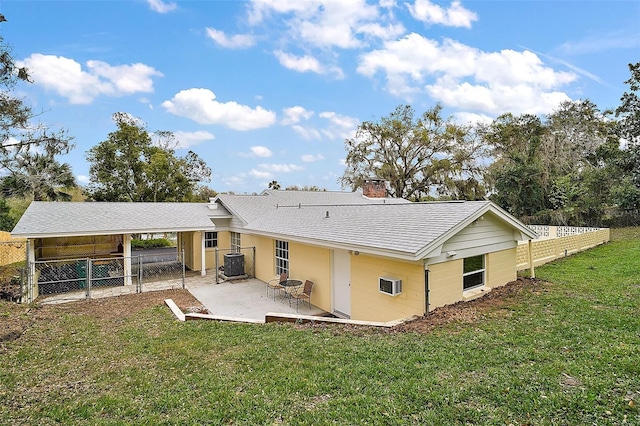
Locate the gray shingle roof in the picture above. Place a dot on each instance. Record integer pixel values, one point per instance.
(43, 219)
(251, 207)
(403, 228)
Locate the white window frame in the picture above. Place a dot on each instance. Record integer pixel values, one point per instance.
(210, 239)
(235, 242)
(281, 257)
(474, 272)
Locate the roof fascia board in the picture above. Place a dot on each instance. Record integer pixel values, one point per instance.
(111, 232)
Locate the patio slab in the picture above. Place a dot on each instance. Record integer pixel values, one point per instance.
(242, 299)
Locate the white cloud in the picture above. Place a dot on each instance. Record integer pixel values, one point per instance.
(83, 179)
(294, 115)
(267, 171)
(310, 158)
(261, 174)
(328, 23)
(431, 13)
(189, 139)
(162, 7)
(465, 77)
(261, 151)
(471, 118)
(307, 133)
(67, 78)
(200, 105)
(238, 41)
(280, 168)
(307, 63)
(298, 63)
(340, 127)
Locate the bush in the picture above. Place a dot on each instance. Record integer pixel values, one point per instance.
(148, 244)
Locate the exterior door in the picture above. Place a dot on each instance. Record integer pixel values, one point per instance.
(341, 283)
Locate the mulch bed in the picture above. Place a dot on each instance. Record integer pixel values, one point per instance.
(16, 318)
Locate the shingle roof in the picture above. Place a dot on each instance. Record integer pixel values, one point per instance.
(251, 207)
(44, 219)
(351, 220)
(404, 228)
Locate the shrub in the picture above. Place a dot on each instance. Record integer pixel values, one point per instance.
(153, 243)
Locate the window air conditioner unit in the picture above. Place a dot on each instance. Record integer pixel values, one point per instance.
(389, 286)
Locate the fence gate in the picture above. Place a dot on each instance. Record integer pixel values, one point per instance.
(89, 275)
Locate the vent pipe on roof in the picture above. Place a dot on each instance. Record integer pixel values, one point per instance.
(327, 215)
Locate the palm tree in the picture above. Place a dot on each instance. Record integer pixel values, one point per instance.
(40, 176)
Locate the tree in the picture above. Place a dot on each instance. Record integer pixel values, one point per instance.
(274, 185)
(518, 178)
(28, 149)
(128, 166)
(628, 113)
(413, 155)
(312, 188)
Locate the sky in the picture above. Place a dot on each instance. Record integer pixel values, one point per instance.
(269, 90)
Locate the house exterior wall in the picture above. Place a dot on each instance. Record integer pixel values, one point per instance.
(185, 242)
(486, 235)
(312, 263)
(264, 262)
(445, 283)
(445, 278)
(224, 243)
(500, 267)
(369, 304)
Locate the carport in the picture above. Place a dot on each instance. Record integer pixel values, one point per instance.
(100, 232)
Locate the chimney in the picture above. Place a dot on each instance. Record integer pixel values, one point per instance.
(374, 188)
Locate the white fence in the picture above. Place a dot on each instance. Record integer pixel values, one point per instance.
(559, 241)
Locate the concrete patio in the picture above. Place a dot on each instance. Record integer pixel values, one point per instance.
(243, 299)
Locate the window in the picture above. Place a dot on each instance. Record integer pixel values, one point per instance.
(235, 242)
(473, 272)
(210, 239)
(282, 257)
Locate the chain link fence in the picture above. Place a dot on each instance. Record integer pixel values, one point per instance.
(86, 276)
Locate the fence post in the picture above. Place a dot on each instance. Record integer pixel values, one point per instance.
(183, 269)
(140, 274)
(88, 275)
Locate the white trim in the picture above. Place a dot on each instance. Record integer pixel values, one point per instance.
(203, 255)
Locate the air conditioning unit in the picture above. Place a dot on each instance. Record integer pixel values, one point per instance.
(390, 286)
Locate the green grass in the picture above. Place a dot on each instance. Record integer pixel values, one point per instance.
(568, 354)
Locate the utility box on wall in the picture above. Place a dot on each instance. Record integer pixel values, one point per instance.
(233, 264)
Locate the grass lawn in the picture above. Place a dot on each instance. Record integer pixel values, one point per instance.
(567, 353)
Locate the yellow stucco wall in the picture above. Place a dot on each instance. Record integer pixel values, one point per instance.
(368, 303)
(500, 267)
(264, 262)
(224, 243)
(445, 283)
(314, 264)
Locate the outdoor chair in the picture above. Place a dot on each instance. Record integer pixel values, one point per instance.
(275, 284)
(303, 295)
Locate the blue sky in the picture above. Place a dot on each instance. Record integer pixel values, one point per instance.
(265, 90)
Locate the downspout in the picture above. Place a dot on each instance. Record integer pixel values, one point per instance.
(426, 291)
